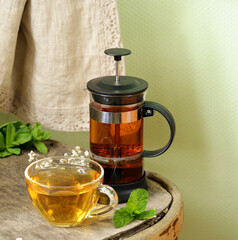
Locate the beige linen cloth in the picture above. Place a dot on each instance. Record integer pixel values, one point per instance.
(49, 49)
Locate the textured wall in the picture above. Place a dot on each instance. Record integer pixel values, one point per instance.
(188, 52)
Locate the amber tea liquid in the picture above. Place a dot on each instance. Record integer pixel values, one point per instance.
(65, 207)
(118, 141)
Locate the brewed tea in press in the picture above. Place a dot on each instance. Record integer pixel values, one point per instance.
(117, 111)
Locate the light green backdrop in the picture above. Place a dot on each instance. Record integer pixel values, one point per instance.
(188, 52)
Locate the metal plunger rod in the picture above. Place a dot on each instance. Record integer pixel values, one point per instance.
(117, 73)
(117, 152)
(117, 53)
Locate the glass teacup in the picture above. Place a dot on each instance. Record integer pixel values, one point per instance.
(65, 190)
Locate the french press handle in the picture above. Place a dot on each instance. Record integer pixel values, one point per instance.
(148, 111)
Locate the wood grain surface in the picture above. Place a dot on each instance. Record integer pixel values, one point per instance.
(19, 218)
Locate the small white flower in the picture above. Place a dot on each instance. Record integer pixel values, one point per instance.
(63, 161)
(77, 148)
(66, 155)
(32, 156)
(74, 153)
(79, 152)
(86, 153)
(47, 164)
(30, 159)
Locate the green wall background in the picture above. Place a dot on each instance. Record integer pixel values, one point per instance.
(188, 52)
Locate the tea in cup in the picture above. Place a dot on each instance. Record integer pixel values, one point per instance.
(65, 190)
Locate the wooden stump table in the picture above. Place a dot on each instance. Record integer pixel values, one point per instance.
(19, 218)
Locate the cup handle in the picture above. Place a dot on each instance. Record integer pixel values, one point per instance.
(148, 110)
(111, 193)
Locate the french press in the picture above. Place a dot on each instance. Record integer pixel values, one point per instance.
(117, 111)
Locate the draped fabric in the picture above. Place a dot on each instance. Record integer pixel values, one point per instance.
(48, 52)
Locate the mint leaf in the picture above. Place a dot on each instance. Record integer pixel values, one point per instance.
(9, 151)
(2, 143)
(8, 148)
(122, 217)
(5, 153)
(35, 130)
(40, 146)
(138, 201)
(22, 138)
(22, 135)
(43, 136)
(10, 135)
(146, 214)
(135, 208)
(28, 125)
(16, 124)
(15, 135)
(3, 127)
(15, 151)
(23, 129)
(130, 207)
(38, 134)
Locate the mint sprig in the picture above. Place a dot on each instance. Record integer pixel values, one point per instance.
(15, 135)
(134, 209)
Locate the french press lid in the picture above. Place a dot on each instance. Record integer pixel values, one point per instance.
(117, 90)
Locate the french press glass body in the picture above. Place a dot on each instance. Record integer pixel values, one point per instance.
(117, 111)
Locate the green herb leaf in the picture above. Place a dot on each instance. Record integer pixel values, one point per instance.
(2, 143)
(29, 126)
(16, 124)
(15, 151)
(146, 214)
(43, 136)
(22, 138)
(40, 146)
(138, 201)
(38, 134)
(135, 208)
(122, 217)
(35, 130)
(22, 135)
(4, 126)
(130, 207)
(15, 135)
(23, 129)
(5, 153)
(10, 135)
